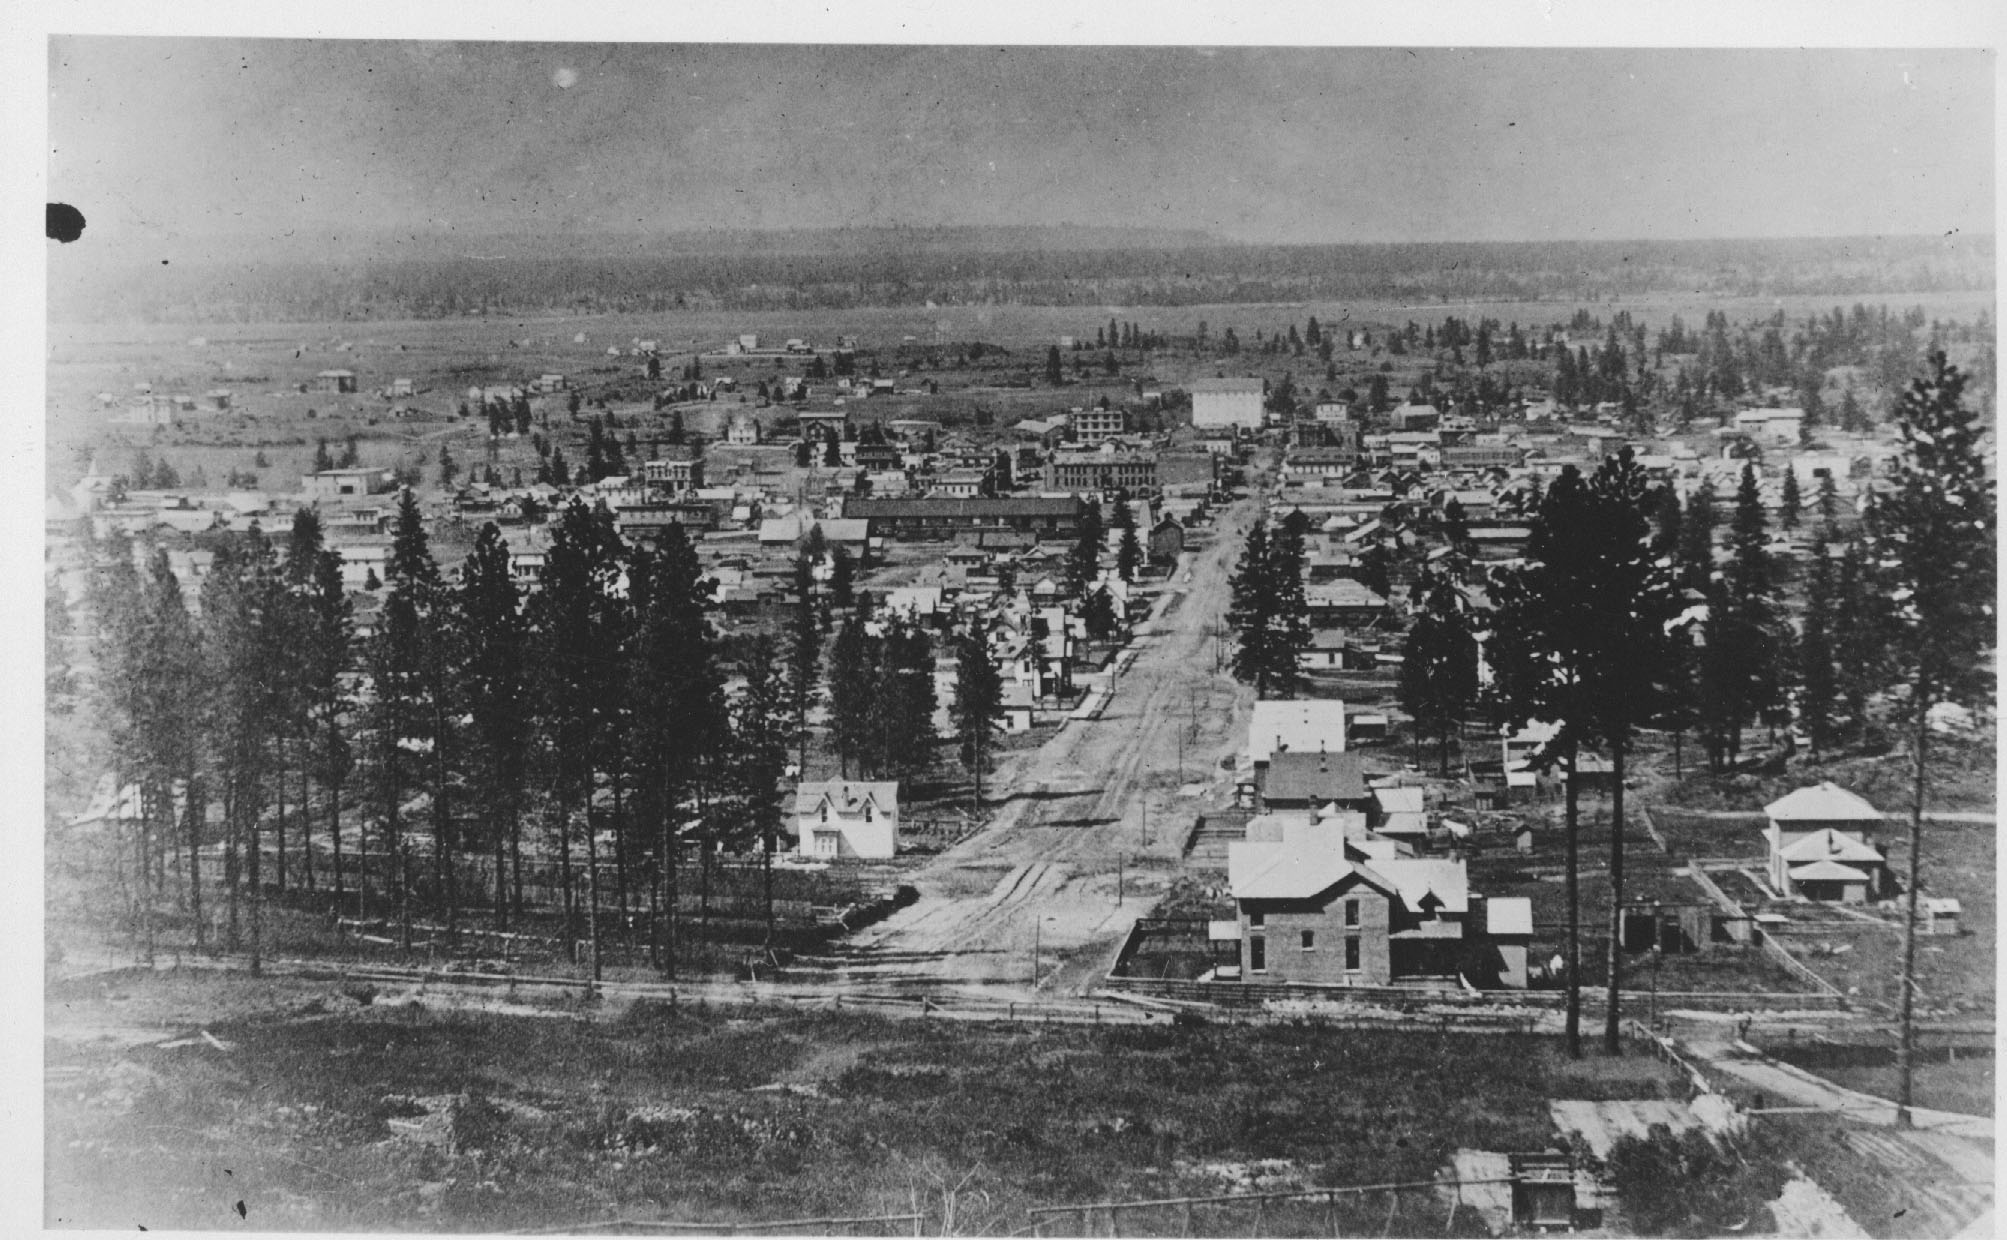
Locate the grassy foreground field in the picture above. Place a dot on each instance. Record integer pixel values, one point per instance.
(321, 1111)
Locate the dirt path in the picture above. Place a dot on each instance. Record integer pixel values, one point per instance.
(1098, 801)
(1785, 1085)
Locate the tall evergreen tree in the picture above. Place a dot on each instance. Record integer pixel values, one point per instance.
(1129, 548)
(244, 641)
(1083, 564)
(1827, 501)
(402, 711)
(978, 700)
(1438, 677)
(679, 714)
(1933, 538)
(1289, 619)
(842, 578)
(1251, 612)
(1098, 614)
(760, 729)
(1670, 522)
(1817, 684)
(804, 655)
(495, 691)
(1746, 634)
(852, 657)
(573, 616)
(1588, 638)
(1791, 502)
(1861, 658)
(902, 704)
(1696, 537)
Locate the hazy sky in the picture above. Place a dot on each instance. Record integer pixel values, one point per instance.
(162, 138)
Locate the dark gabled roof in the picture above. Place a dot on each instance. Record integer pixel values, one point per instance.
(1316, 778)
(974, 508)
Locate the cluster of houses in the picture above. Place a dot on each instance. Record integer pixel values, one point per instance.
(1343, 878)
(1333, 882)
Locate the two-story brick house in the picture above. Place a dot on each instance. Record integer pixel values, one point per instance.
(1311, 909)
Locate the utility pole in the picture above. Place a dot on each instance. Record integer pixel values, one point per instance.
(1037, 924)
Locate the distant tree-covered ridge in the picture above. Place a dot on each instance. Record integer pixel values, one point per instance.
(846, 268)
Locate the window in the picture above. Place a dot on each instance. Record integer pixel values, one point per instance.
(1352, 913)
(1257, 955)
(1351, 953)
(1256, 920)
(1310, 940)
(867, 813)
(825, 813)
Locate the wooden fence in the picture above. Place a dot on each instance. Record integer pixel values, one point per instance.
(1798, 969)
(1252, 1206)
(1245, 994)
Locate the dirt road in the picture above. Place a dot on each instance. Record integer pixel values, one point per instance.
(1099, 803)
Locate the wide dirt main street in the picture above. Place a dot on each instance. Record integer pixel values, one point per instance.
(1099, 803)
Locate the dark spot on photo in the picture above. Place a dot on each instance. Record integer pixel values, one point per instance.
(63, 222)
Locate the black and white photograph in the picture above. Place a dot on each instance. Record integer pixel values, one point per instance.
(1103, 627)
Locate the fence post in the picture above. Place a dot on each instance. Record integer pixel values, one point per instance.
(1188, 1218)
(1258, 1204)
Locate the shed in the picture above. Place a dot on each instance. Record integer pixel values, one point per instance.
(1543, 1189)
(1940, 916)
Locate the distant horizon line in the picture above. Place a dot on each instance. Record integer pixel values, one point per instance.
(1191, 237)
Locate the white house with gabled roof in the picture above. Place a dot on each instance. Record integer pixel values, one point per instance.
(847, 818)
(1819, 846)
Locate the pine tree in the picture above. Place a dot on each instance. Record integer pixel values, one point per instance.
(1586, 638)
(851, 660)
(842, 578)
(1670, 520)
(1456, 525)
(574, 616)
(679, 713)
(1852, 418)
(760, 729)
(804, 655)
(1932, 535)
(901, 711)
(1828, 504)
(1251, 612)
(1696, 537)
(1053, 374)
(1098, 614)
(495, 690)
(1289, 617)
(243, 641)
(1747, 637)
(978, 700)
(1083, 565)
(323, 460)
(402, 711)
(173, 699)
(1790, 502)
(1438, 677)
(1817, 687)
